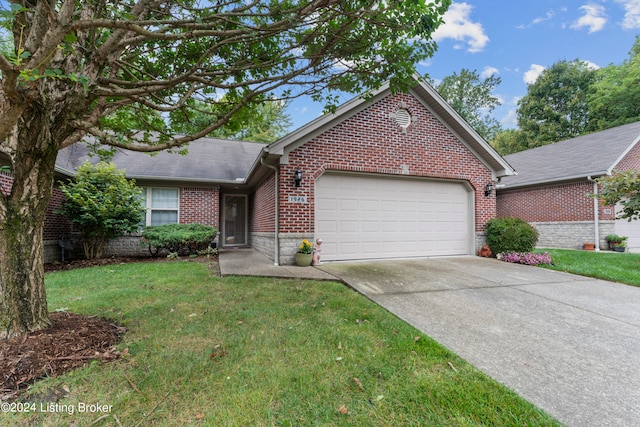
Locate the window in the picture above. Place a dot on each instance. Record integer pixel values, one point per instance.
(162, 205)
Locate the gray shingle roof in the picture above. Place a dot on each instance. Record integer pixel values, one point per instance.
(209, 159)
(587, 155)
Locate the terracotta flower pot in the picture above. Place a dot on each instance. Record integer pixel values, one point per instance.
(589, 246)
(303, 260)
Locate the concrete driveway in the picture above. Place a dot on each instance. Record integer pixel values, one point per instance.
(569, 344)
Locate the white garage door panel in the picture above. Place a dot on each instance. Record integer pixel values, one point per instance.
(363, 217)
(629, 229)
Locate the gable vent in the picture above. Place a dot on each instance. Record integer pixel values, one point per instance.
(402, 117)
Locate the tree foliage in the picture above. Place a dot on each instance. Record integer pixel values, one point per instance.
(125, 63)
(264, 121)
(509, 141)
(472, 98)
(103, 204)
(614, 96)
(114, 70)
(555, 106)
(622, 187)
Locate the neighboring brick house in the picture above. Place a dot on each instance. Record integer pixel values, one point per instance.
(554, 183)
(395, 175)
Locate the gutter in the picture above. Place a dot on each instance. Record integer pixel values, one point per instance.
(276, 259)
(556, 180)
(237, 181)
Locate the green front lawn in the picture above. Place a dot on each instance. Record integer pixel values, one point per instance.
(620, 267)
(211, 351)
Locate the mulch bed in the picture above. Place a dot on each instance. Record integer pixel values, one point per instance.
(71, 341)
(82, 263)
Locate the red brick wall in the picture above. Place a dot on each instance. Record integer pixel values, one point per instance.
(201, 205)
(56, 225)
(370, 141)
(5, 182)
(631, 160)
(263, 211)
(566, 202)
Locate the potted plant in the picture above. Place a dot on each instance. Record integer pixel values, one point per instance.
(305, 254)
(614, 240)
(620, 246)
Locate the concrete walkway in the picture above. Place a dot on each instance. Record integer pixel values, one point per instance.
(568, 344)
(248, 262)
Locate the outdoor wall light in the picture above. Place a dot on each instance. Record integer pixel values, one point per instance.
(489, 188)
(297, 177)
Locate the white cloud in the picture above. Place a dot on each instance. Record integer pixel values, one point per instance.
(540, 19)
(594, 18)
(550, 14)
(458, 26)
(632, 14)
(592, 65)
(488, 72)
(532, 75)
(510, 121)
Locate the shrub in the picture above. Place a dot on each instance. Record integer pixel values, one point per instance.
(527, 258)
(103, 204)
(184, 239)
(509, 234)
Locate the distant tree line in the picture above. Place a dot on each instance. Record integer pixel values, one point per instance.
(568, 99)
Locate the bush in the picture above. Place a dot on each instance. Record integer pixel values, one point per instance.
(509, 234)
(103, 204)
(184, 239)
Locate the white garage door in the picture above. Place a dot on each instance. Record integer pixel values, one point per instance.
(368, 217)
(629, 229)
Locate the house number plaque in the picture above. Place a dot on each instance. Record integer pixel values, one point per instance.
(298, 199)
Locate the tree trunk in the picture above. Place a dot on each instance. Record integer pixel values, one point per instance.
(23, 304)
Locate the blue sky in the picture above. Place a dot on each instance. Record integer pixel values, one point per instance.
(517, 39)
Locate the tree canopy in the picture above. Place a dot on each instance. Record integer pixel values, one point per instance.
(555, 106)
(264, 121)
(614, 96)
(113, 69)
(472, 98)
(116, 71)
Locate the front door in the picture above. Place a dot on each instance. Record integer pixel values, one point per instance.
(235, 220)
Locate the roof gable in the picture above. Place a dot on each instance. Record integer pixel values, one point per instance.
(594, 154)
(423, 92)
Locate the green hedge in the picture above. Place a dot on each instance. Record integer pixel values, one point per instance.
(184, 239)
(509, 234)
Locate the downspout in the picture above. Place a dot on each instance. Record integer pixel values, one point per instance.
(276, 245)
(596, 213)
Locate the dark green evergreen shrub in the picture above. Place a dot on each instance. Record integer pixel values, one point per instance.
(509, 234)
(184, 239)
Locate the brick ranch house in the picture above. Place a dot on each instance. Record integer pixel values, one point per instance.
(552, 188)
(395, 175)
